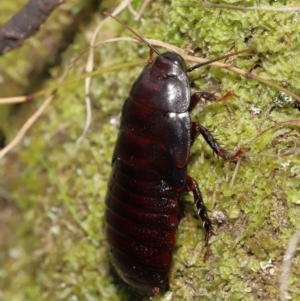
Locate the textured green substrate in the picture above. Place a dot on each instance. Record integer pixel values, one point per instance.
(56, 249)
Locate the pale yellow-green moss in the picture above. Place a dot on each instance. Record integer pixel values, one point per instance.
(60, 250)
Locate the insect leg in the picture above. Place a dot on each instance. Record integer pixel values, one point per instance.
(213, 143)
(192, 185)
(150, 60)
(205, 96)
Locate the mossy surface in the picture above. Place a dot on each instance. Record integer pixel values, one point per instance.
(56, 248)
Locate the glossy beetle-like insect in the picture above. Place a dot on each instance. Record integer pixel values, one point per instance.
(149, 171)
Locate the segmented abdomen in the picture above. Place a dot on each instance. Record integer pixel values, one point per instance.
(141, 223)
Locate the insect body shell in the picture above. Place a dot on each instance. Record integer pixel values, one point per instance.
(149, 169)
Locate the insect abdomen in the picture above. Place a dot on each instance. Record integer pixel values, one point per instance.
(140, 227)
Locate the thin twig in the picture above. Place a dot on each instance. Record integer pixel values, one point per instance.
(217, 64)
(287, 263)
(37, 114)
(237, 167)
(276, 125)
(26, 127)
(141, 10)
(250, 8)
(12, 100)
(173, 48)
(89, 68)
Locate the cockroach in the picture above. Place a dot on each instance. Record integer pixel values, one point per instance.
(149, 170)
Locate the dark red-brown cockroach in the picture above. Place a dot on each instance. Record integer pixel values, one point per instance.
(149, 170)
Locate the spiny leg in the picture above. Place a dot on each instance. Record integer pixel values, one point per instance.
(192, 185)
(199, 129)
(151, 52)
(213, 143)
(206, 96)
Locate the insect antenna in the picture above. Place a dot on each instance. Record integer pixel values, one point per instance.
(135, 33)
(218, 59)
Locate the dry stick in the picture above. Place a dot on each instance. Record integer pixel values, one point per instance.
(89, 68)
(141, 10)
(12, 100)
(237, 167)
(278, 124)
(41, 109)
(224, 66)
(25, 23)
(253, 8)
(173, 48)
(137, 15)
(26, 126)
(26, 98)
(125, 65)
(74, 61)
(287, 263)
(288, 153)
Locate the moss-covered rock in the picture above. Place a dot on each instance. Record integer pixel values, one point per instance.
(57, 250)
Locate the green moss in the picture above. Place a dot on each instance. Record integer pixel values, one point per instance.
(60, 189)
